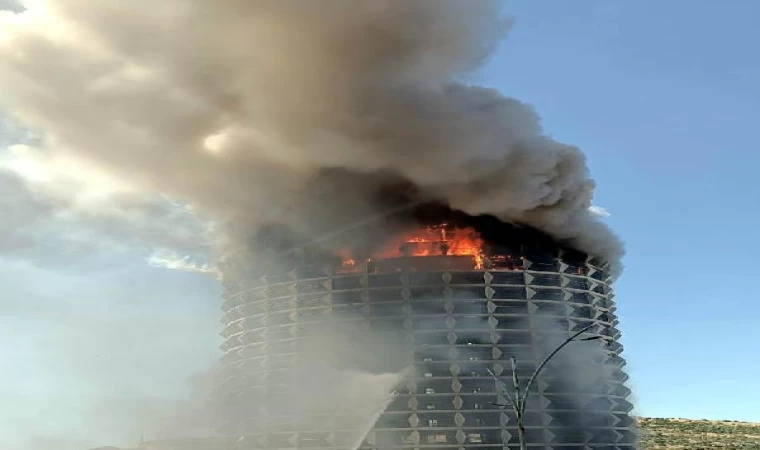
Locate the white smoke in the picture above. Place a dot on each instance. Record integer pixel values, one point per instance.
(599, 211)
(175, 261)
(239, 107)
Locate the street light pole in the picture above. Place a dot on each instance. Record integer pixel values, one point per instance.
(518, 400)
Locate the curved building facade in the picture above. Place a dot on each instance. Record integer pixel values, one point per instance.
(459, 319)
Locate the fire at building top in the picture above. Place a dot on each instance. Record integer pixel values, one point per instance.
(425, 237)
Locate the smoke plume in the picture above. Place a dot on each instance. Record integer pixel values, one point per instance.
(294, 112)
(301, 115)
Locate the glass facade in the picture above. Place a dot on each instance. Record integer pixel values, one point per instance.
(456, 325)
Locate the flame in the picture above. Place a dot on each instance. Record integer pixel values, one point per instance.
(348, 262)
(506, 262)
(436, 240)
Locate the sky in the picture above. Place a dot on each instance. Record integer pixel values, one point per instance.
(661, 96)
(663, 99)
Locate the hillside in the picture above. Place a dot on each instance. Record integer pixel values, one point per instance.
(658, 434)
(683, 434)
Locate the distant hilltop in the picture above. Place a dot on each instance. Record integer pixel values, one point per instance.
(657, 434)
(684, 434)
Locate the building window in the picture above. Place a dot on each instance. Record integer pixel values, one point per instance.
(429, 391)
(428, 375)
(436, 439)
(475, 438)
(432, 423)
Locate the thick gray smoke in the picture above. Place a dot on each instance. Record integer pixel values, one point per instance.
(244, 108)
(289, 112)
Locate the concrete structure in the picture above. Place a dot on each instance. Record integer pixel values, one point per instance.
(459, 318)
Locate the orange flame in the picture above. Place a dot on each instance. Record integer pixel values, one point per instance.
(437, 240)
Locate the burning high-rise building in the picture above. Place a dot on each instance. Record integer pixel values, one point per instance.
(461, 295)
(316, 135)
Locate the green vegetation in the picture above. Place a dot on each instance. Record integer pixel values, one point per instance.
(684, 434)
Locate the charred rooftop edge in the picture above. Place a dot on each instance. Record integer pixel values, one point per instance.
(280, 248)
